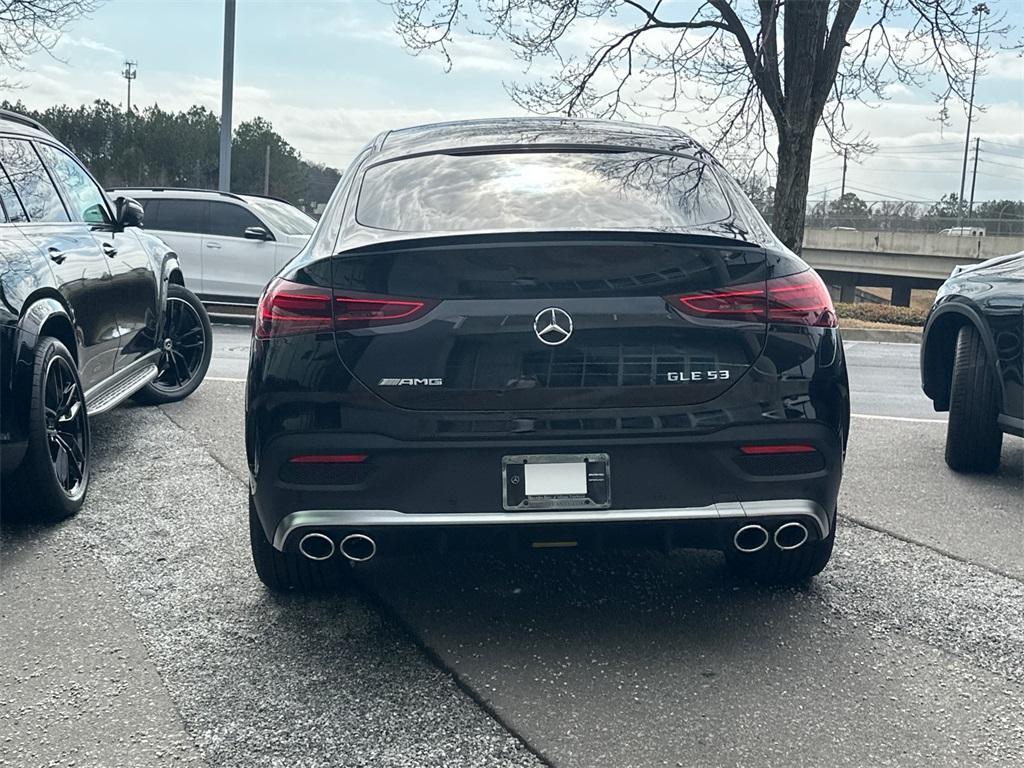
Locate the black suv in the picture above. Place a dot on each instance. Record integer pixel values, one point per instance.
(971, 360)
(92, 311)
(543, 333)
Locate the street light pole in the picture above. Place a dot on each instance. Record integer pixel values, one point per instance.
(979, 10)
(226, 88)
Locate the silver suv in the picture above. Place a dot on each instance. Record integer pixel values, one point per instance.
(229, 245)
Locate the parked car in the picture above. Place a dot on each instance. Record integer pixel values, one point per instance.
(963, 232)
(971, 360)
(92, 311)
(229, 245)
(551, 332)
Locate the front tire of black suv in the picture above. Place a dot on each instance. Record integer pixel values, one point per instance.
(290, 571)
(772, 565)
(186, 341)
(973, 438)
(52, 481)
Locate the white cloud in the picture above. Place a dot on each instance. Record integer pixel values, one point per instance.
(68, 41)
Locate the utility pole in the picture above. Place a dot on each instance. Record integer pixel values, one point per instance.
(226, 88)
(974, 178)
(266, 172)
(980, 10)
(129, 73)
(843, 193)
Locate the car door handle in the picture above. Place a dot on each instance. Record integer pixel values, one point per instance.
(110, 250)
(213, 245)
(56, 255)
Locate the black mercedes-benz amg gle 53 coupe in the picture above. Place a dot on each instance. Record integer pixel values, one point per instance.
(543, 333)
(971, 362)
(92, 311)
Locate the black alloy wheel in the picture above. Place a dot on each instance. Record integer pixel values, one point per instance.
(51, 482)
(186, 346)
(66, 429)
(183, 345)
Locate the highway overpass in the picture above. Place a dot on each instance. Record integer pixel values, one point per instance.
(897, 260)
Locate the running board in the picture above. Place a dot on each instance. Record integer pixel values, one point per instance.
(121, 391)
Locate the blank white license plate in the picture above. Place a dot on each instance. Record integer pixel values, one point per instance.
(556, 479)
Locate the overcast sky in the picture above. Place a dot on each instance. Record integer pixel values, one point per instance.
(330, 75)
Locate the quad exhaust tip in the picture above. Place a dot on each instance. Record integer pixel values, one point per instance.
(358, 547)
(751, 538)
(316, 546)
(790, 536)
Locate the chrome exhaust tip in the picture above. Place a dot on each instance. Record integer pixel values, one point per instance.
(358, 547)
(751, 538)
(316, 546)
(791, 535)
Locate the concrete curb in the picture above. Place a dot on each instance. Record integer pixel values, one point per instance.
(880, 334)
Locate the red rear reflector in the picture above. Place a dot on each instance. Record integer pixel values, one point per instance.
(761, 450)
(329, 458)
(370, 311)
(800, 299)
(288, 308)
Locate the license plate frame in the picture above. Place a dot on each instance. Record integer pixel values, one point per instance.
(598, 482)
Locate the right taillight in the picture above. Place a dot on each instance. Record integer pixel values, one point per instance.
(800, 299)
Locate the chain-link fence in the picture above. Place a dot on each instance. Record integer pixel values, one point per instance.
(899, 216)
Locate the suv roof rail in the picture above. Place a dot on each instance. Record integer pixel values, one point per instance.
(269, 197)
(17, 117)
(232, 195)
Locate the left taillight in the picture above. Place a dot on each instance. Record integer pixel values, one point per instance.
(288, 308)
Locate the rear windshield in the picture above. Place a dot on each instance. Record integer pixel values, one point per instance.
(541, 190)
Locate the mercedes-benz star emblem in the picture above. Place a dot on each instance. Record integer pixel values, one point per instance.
(553, 326)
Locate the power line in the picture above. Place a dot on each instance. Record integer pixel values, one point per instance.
(1004, 154)
(1003, 165)
(1001, 144)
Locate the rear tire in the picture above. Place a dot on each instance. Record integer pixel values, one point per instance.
(973, 438)
(772, 565)
(52, 480)
(289, 571)
(187, 343)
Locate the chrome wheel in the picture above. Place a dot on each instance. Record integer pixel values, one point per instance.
(64, 413)
(182, 346)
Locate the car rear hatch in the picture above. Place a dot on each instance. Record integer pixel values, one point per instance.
(544, 321)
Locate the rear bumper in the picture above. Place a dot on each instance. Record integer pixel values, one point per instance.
(691, 490)
(381, 522)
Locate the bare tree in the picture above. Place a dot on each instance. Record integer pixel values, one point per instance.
(30, 26)
(771, 72)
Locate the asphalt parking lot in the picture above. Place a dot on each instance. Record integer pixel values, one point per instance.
(137, 634)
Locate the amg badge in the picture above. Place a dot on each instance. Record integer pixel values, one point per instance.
(410, 383)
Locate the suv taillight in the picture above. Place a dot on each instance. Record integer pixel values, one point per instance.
(288, 308)
(800, 299)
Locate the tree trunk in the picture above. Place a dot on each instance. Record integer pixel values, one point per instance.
(791, 188)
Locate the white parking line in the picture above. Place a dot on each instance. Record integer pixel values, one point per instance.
(224, 378)
(897, 418)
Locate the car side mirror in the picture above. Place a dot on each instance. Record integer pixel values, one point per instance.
(129, 212)
(257, 233)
